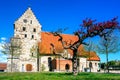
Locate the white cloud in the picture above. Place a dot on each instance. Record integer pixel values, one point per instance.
(3, 38)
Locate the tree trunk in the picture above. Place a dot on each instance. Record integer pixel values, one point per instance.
(74, 61)
(90, 65)
(107, 60)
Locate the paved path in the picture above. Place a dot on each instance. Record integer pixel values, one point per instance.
(111, 71)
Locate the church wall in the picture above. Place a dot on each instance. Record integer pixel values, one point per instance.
(63, 65)
(23, 66)
(15, 65)
(44, 63)
(95, 66)
(27, 29)
(82, 64)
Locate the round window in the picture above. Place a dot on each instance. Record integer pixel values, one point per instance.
(25, 20)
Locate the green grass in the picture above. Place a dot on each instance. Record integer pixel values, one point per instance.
(58, 76)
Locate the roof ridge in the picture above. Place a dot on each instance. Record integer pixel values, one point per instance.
(61, 33)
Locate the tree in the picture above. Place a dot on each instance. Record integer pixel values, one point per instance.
(112, 63)
(88, 29)
(12, 49)
(108, 44)
(6, 48)
(33, 50)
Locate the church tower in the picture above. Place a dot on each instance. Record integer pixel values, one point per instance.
(28, 29)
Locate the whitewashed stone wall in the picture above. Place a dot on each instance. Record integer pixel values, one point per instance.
(28, 29)
(95, 66)
(44, 62)
(82, 64)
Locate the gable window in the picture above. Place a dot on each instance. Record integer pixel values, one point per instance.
(24, 28)
(31, 22)
(34, 30)
(32, 37)
(25, 35)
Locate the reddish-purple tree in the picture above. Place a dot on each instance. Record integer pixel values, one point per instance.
(88, 29)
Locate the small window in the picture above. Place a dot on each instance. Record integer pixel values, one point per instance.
(24, 28)
(34, 30)
(32, 36)
(95, 64)
(90, 64)
(31, 22)
(25, 35)
(32, 54)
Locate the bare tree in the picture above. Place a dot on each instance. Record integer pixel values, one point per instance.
(12, 49)
(108, 44)
(35, 50)
(88, 29)
(90, 47)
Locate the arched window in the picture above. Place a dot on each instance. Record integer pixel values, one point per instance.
(90, 64)
(67, 67)
(50, 63)
(28, 67)
(95, 64)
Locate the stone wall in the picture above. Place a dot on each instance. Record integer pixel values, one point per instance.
(27, 28)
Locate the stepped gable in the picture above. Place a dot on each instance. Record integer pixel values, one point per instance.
(47, 38)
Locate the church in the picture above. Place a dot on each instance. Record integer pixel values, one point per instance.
(33, 49)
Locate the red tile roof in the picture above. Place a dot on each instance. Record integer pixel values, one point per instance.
(47, 39)
(3, 66)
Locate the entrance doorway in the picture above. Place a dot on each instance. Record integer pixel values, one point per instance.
(50, 63)
(28, 67)
(67, 67)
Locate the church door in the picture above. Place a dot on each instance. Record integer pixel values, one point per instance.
(50, 63)
(67, 67)
(28, 67)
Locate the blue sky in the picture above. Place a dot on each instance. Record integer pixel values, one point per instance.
(55, 14)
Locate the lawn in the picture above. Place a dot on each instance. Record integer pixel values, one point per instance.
(58, 76)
